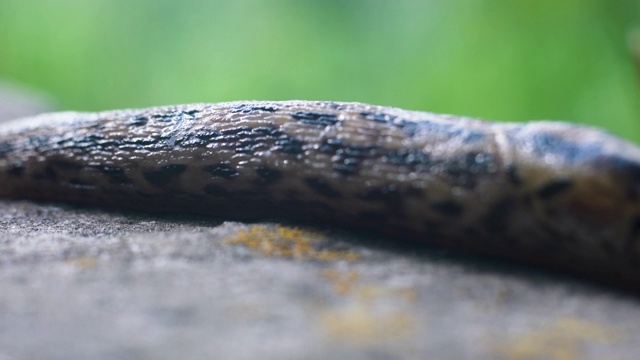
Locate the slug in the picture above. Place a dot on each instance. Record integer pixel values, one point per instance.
(551, 194)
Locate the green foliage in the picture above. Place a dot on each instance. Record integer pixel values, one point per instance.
(496, 59)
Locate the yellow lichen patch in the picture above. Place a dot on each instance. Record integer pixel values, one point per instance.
(288, 242)
(342, 283)
(563, 340)
(361, 325)
(83, 261)
(372, 312)
(346, 283)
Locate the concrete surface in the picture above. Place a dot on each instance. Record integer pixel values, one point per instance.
(81, 283)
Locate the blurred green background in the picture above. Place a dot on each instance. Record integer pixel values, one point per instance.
(494, 59)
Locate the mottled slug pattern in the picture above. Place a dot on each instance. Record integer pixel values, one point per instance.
(547, 193)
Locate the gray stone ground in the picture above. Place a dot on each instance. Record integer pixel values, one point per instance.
(80, 283)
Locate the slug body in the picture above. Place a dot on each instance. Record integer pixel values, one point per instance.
(547, 193)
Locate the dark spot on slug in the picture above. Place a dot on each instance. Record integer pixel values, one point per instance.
(191, 112)
(317, 209)
(358, 151)
(315, 118)
(545, 143)
(346, 166)
(631, 245)
(115, 174)
(270, 109)
(52, 167)
(97, 126)
(293, 195)
(414, 191)
(249, 146)
(289, 145)
(511, 241)
(148, 143)
(467, 169)
(244, 130)
(410, 128)
(266, 131)
(388, 195)
(415, 128)
(434, 128)
(497, 219)
(513, 175)
(215, 190)
(553, 189)
(608, 248)
(267, 175)
(372, 216)
(199, 138)
(432, 230)
(322, 187)
(165, 174)
(164, 116)
(16, 169)
(89, 143)
(378, 117)
(469, 137)
(144, 194)
(40, 142)
(448, 208)
(333, 146)
(347, 157)
(245, 140)
(332, 105)
(252, 109)
(77, 184)
(432, 225)
(635, 229)
(5, 148)
(48, 174)
(65, 165)
(138, 121)
(415, 159)
(223, 169)
(175, 114)
(624, 171)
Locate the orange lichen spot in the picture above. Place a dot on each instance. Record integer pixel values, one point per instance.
(562, 340)
(288, 242)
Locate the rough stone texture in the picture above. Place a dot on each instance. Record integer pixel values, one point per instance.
(84, 283)
(87, 283)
